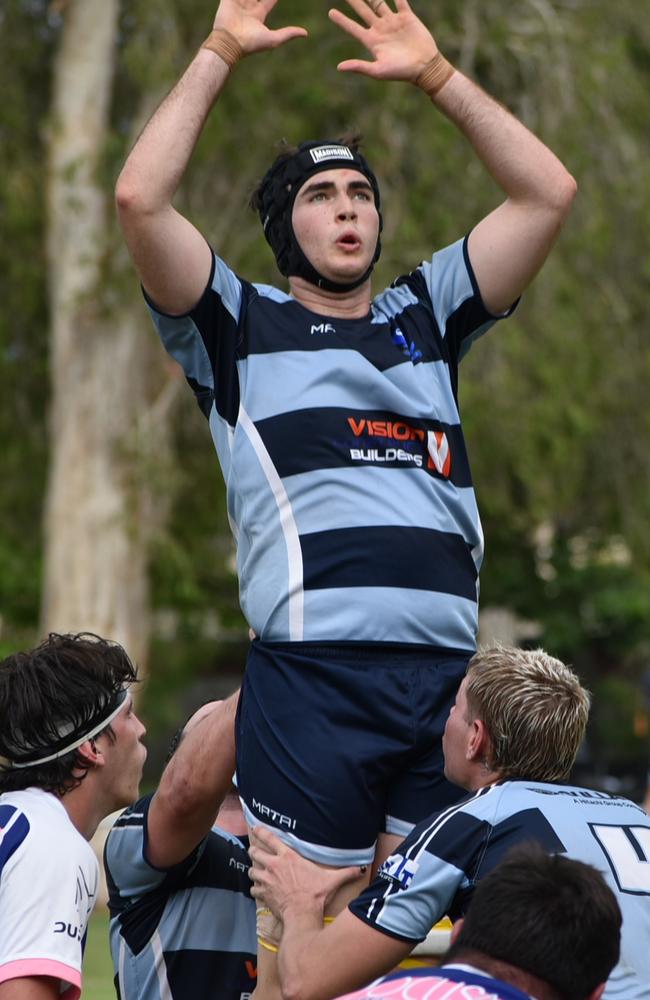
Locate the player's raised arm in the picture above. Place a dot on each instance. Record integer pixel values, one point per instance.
(509, 246)
(172, 258)
(193, 785)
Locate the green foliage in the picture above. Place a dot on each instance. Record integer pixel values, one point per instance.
(26, 39)
(98, 967)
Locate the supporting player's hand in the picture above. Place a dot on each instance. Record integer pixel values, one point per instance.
(283, 879)
(400, 44)
(245, 20)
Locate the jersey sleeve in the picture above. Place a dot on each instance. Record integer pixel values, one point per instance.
(428, 877)
(455, 296)
(47, 891)
(128, 873)
(205, 340)
(407, 899)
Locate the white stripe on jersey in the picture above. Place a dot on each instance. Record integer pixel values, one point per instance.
(422, 842)
(120, 969)
(119, 825)
(4, 830)
(289, 529)
(161, 968)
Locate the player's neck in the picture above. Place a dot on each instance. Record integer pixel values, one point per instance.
(480, 776)
(354, 304)
(84, 810)
(507, 973)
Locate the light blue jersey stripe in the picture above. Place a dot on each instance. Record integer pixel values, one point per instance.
(340, 378)
(448, 282)
(358, 497)
(228, 924)
(182, 340)
(385, 614)
(226, 283)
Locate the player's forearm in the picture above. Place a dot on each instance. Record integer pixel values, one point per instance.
(157, 162)
(523, 167)
(300, 961)
(307, 971)
(199, 774)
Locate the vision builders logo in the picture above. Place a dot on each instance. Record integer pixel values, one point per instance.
(414, 446)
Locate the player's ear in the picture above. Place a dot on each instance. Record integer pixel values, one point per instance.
(91, 752)
(455, 930)
(478, 742)
(597, 993)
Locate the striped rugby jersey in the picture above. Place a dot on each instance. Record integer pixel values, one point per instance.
(348, 484)
(435, 869)
(186, 931)
(447, 982)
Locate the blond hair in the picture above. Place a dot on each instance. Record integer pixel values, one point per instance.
(534, 708)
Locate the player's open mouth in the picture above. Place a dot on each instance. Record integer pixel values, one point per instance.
(348, 241)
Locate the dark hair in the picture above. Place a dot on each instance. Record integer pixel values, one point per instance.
(549, 915)
(286, 150)
(60, 687)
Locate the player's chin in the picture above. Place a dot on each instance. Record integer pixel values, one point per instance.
(349, 269)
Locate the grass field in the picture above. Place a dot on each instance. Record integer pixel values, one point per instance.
(98, 968)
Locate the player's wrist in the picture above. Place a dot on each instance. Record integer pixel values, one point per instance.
(433, 77)
(224, 44)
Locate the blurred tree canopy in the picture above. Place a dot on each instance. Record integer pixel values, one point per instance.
(554, 401)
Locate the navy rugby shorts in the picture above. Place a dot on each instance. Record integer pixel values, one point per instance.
(336, 744)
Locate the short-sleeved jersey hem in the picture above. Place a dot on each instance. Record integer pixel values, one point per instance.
(385, 930)
(34, 968)
(152, 304)
(477, 291)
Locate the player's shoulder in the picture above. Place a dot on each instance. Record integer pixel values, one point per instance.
(452, 982)
(33, 815)
(129, 827)
(561, 796)
(41, 849)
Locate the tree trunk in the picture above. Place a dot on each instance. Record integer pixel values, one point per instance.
(99, 511)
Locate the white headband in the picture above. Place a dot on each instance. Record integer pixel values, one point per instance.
(121, 697)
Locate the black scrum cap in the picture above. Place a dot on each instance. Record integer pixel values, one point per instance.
(277, 194)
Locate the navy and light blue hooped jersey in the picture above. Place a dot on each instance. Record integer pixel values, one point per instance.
(184, 931)
(348, 484)
(435, 869)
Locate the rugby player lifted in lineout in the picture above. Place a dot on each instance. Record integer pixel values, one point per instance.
(335, 419)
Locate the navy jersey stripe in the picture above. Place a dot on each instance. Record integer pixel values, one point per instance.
(196, 973)
(330, 438)
(220, 334)
(14, 827)
(212, 321)
(413, 558)
(410, 334)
